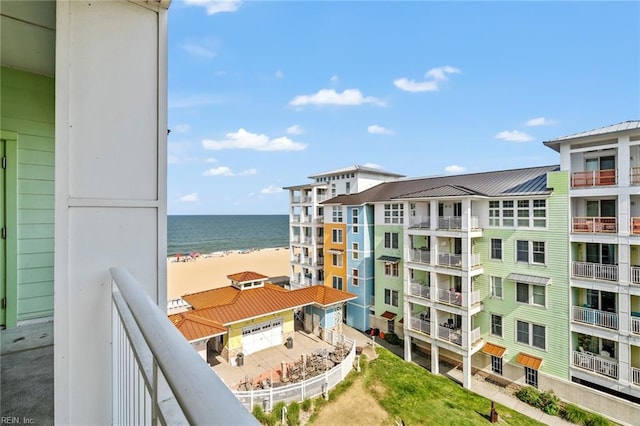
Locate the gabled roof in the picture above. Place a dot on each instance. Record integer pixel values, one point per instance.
(247, 276)
(614, 128)
(356, 168)
(194, 327)
(527, 181)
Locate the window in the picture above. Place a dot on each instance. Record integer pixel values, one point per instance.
(337, 283)
(336, 260)
(496, 325)
(347, 188)
(523, 212)
(354, 274)
(531, 334)
(496, 364)
(337, 214)
(354, 220)
(333, 187)
(539, 213)
(530, 294)
(494, 213)
(391, 297)
(496, 249)
(522, 251)
(354, 251)
(531, 377)
(391, 240)
(531, 252)
(507, 213)
(394, 213)
(336, 235)
(496, 287)
(391, 269)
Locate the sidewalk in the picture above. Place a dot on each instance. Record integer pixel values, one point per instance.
(479, 385)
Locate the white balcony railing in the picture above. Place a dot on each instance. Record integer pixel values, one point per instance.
(474, 298)
(474, 335)
(635, 275)
(450, 222)
(295, 199)
(450, 297)
(452, 335)
(595, 317)
(158, 378)
(635, 376)
(634, 325)
(420, 256)
(600, 225)
(450, 260)
(419, 290)
(421, 325)
(295, 218)
(591, 362)
(597, 271)
(420, 222)
(295, 239)
(474, 259)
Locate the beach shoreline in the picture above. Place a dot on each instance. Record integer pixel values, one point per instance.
(209, 270)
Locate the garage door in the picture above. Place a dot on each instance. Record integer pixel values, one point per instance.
(261, 336)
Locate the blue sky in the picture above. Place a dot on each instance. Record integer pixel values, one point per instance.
(264, 93)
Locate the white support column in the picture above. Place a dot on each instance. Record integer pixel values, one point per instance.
(435, 356)
(407, 347)
(466, 371)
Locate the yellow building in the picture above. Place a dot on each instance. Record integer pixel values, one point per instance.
(335, 246)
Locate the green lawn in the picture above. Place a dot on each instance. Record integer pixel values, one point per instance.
(412, 393)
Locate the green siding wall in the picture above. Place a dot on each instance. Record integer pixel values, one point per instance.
(555, 316)
(381, 280)
(28, 109)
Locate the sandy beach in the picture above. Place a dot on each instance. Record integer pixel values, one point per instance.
(211, 270)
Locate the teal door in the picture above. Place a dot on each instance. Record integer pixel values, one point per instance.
(3, 240)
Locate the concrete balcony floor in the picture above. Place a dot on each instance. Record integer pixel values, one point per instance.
(26, 374)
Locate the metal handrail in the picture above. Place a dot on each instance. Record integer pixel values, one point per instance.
(201, 395)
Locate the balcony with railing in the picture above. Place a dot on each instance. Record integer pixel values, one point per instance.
(419, 222)
(421, 324)
(450, 260)
(419, 289)
(603, 366)
(450, 222)
(634, 176)
(158, 378)
(453, 335)
(596, 271)
(634, 276)
(295, 218)
(295, 199)
(635, 376)
(594, 317)
(593, 178)
(600, 225)
(420, 256)
(450, 297)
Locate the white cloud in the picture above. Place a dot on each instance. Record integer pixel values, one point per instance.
(334, 79)
(191, 101)
(331, 97)
(379, 130)
(372, 165)
(216, 6)
(181, 128)
(432, 81)
(514, 136)
(454, 169)
(296, 129)
(226, 171)
(210, 160)
(271, 190)
(258, 142)
(201, 51)
(539, 121)
(189, 198)
(279, 74)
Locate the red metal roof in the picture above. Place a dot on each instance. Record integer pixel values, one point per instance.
(495, 350)
(529, 360)
(247, 276)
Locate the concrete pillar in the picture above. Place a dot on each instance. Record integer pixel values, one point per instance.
(407, 347)
(435, 359)
(466, 371)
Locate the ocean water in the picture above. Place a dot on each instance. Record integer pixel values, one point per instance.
(208, 234)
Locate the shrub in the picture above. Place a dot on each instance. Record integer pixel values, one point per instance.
(574, 414)
(293, 414)
(596, 420)
(263, 417)
(549, 403)
(306, 404)
(392, 338)
(529, 395)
